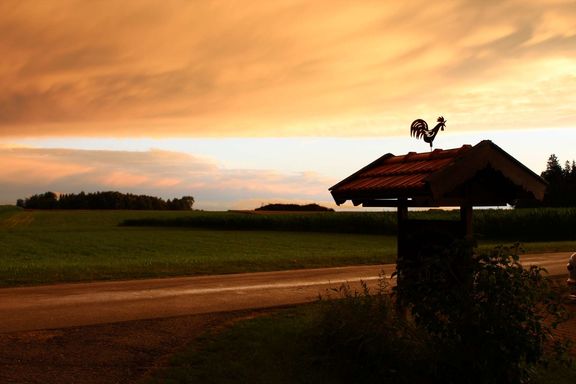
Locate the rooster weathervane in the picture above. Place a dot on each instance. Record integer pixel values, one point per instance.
(419, 129)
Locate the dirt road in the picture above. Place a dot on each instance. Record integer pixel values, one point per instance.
(67, 305)
(70, 305)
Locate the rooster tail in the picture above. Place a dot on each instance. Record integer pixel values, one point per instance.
(418, 127)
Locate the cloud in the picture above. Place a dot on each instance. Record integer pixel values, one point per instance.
(282, 68)
(28, 171)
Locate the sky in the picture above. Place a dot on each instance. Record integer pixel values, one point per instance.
(242, 103)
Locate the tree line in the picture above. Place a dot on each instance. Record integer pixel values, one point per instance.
(561, 191)
(104, 200)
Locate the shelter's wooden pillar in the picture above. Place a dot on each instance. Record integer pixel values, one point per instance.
(402, 217)
(402, 211)
(466, 220)
(464, 267)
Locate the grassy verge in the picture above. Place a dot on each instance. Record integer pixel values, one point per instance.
(284, 348)
(532, 247)
(63, 246)
(266, 349)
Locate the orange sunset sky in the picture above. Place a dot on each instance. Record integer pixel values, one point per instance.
(240, 103)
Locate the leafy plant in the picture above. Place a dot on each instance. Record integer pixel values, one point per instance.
(456, 317)
(365, 339)
(493, 324)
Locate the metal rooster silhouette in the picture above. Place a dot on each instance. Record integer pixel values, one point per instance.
(419, 129)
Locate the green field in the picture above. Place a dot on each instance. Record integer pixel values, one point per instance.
(61, 246)
(41, 247)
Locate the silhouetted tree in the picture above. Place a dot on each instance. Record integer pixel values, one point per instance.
(104, 200)
(553, 172)
(561, 190)
(47, 200)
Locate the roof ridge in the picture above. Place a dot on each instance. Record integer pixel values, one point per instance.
(436, 154)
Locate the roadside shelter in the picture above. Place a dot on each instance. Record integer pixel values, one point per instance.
(465, 177)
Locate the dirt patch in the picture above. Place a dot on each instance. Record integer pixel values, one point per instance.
(111, 353)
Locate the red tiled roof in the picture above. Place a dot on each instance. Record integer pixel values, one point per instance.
(432, 175)
(396, 173)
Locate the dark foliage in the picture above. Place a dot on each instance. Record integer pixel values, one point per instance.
(104, 200)
(495, 327)
(294, 208)
(492, 325)
(561, 191)
(366, 340)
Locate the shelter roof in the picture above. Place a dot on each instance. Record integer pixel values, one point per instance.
(483, 174)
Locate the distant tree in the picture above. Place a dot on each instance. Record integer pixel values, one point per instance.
(182, 204)
(189, 201)
(553, 172)
(47, 200)
(561, 191)
(567, 170)
(104, 200)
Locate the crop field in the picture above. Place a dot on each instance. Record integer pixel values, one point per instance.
(39, 247)
(510, 225)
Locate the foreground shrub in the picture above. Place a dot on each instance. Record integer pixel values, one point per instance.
(367, 340)
(496, 326)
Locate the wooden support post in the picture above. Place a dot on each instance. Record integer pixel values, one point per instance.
(465, 264)
(466, 220)
(402, 217)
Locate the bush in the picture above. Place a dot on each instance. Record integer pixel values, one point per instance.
(494, 327)
(367, 340)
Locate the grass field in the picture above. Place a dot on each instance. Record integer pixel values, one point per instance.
(62, 246)
(41, 247)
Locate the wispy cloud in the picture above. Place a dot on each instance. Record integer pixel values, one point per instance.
(27, 171)
(282, 68)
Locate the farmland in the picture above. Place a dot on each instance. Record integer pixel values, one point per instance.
(63, 246)
(526, 225)
(41, 247)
